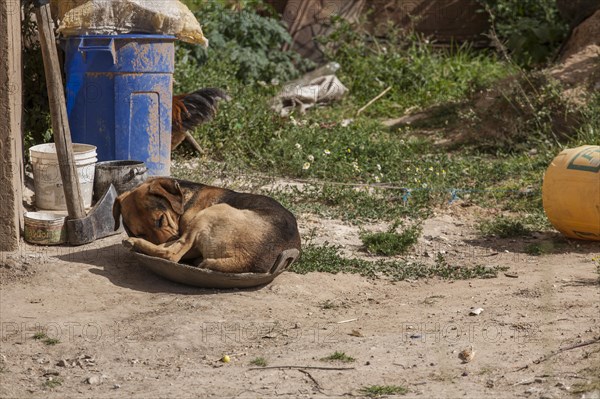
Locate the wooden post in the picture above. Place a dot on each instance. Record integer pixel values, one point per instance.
(11, 148)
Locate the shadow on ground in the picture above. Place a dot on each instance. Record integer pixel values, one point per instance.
(118, 265)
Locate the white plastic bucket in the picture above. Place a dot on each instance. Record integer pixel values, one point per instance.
(48, 186)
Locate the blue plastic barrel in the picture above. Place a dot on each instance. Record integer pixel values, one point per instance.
(119, 96)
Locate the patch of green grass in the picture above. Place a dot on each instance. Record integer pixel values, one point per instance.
(39, 335)
(504, 227)
(375, 391)
(327, 259)
(259, 361)
(338, 357)
(53, 383)
(356, 204)
(51, 341)
(391, 243)
(419, 74)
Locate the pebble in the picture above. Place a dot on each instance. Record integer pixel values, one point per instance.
(465, 374)
(476, 312)
(62, 363)
(561, 385)
(93, 380)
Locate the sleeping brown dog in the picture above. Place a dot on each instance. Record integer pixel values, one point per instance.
(228, 231)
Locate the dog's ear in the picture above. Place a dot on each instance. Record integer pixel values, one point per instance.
(170, 190)
(117, 210)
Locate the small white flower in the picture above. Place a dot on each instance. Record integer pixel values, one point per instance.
(379, 167)
(431, 168)
(298, 146)
(355, 166)
(311, 158)
(377, 179)
(326, 152)
(306, 166)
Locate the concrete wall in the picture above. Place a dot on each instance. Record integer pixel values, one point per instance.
(11, 151)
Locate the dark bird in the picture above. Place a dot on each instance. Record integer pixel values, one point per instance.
(193, 109)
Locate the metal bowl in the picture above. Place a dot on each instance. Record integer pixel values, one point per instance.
(205, 278)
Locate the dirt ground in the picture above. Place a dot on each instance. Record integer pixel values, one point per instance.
(125, 332)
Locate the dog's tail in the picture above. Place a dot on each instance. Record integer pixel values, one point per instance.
(193, 109)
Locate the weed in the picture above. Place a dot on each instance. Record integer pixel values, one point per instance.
(542, 248)
(391, 243)
(39, 335)
(328, 305)
(327, 259)
(259, 361)
(375, 391)
(338, 357)
(51, 341)
(503, 227)
(53, 383)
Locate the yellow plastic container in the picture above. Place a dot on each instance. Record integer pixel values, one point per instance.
(571, 192)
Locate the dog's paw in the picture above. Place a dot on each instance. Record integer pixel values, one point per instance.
(128, 243)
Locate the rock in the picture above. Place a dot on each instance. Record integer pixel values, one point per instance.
(465, 374)
(531, 391)
(562, 386)
(93, 380)
(116, 386)
(63, 363)
(475, 312)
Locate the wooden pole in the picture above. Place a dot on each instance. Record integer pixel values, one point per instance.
(58, 111)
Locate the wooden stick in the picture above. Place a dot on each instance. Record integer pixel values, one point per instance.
(317, 385)
(194, 143)
(373, 100)
(568, 348)
(346, 321)
(303, 367)
(58, 111)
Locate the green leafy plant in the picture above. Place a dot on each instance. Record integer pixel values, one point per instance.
(36, 109)
(391, 243)
(250, 42)
(532, 30)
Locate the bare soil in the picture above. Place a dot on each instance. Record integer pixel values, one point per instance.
(125, 332)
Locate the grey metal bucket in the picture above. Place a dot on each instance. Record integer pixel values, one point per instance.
(124, 175)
